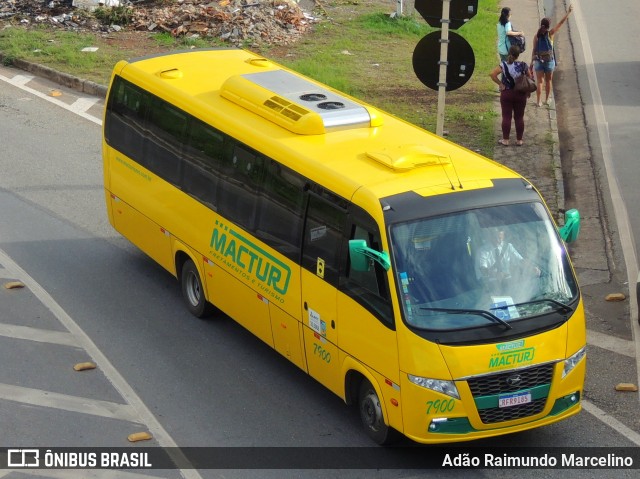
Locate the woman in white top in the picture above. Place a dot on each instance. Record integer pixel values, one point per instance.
(512, 102)
(505, 30)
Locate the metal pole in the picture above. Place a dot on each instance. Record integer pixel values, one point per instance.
(399, 5)
(442, 83)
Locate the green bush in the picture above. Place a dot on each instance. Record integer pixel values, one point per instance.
(121, 15)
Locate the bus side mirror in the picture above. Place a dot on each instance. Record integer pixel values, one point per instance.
(569, 232)
(360, 254)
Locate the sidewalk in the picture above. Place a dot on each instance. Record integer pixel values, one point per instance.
(538, 159)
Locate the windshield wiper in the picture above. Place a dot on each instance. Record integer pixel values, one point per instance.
(563, 307)
(477, 312)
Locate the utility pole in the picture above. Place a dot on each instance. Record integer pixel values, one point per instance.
(444, 51)
(451, 74)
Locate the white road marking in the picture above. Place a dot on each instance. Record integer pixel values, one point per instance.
(50, 99)
(139, 410)
(83, 104)
(611, 343)
(21, 79)
(95, 407)
(611, 422)
(39, 335)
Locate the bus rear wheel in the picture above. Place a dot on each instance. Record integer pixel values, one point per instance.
(193, 291)
(372, 417)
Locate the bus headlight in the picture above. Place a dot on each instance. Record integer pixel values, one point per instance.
(438, 385)
(571, 363)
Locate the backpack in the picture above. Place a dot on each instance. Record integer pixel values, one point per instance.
(519, 41)
(545, 49)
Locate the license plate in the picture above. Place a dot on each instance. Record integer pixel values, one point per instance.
(509, 400)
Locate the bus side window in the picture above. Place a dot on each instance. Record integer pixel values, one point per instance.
(240, 184)
(281, 210)
(126, 114)
(166, 128)
(203, 156)
(322, 238)
(369, 288)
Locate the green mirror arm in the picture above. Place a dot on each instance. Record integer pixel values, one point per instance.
(569, 232)
(381, 257)
(359, 247)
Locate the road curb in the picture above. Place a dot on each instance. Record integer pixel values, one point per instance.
(64, 79)
(555, 153)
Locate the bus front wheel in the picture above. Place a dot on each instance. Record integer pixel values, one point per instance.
(193, 291)
(372, 416)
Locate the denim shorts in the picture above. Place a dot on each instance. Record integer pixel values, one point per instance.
(546, 67)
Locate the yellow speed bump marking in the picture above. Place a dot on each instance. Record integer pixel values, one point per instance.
(84, 366)
(139, 436)
(615, 297)
(626, 387)
(14, 284)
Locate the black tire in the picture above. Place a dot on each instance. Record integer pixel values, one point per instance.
(193, 291)
(372, 417)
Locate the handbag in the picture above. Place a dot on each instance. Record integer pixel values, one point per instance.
(522, 84)
(525, 84)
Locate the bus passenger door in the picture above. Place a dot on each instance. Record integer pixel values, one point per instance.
(367, 326)
(319, 277)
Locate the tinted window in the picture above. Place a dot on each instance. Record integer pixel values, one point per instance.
(240, 181)
(281, 210)
(203, 157)
(166, 127)
(323, 238)
(124, 129)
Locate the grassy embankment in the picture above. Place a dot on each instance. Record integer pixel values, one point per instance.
(358, 49)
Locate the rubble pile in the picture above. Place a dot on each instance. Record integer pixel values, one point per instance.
(277, 22)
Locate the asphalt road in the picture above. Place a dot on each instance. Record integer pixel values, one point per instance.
(188, 382)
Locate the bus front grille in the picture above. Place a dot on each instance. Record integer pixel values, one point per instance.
(510, 382)
(500, 383)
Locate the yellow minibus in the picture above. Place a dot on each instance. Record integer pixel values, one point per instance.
(423, 283)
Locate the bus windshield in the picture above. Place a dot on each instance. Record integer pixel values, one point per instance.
(485, 266)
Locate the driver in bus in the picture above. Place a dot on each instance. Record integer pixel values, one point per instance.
(498, 261)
